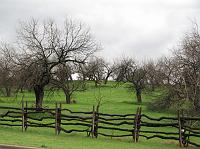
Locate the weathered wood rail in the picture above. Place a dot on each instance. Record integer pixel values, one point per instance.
(95, 123)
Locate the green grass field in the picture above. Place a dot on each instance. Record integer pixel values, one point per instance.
(114, 99)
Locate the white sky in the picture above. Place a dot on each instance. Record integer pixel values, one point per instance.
(139, 28)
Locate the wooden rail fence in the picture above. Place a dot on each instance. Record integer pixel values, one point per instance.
(95, 123)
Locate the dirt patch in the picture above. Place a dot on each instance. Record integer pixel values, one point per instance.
(3, 146)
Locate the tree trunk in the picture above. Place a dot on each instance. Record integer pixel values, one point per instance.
(83, 86)
(108, 75)
(68, 99)
(67, 96)
(106, 80)
(139, 95)
(96, 83)
(39, 94)
(21, 90)
(8, 91)
(152, 87)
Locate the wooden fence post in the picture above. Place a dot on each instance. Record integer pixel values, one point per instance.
(26, 117)
(182, 136)
(136, 126)
(188, 135)
(93, 122)
(96, 119)
(57, 119)
(23, 115)
(179, 128)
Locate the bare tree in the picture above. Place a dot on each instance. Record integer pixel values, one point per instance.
(122, 67)
(109, 71)
(82, 73)
(137, 78)
(169, 77)
(94, 70)
(166, 67)
(188, 57)
(63, 79)
(180, 74)
(152, 75)
(44, 46)
(129, 71)
(7, 69)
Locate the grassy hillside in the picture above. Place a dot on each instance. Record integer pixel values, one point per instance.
(114, 99)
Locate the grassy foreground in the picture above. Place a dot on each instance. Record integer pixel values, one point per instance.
(115, 99)
(47, 139)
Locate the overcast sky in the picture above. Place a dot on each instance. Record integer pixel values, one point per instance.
(139, 28)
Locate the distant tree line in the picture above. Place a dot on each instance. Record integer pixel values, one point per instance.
(50, 55)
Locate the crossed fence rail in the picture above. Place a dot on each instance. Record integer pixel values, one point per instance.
(95, 123)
